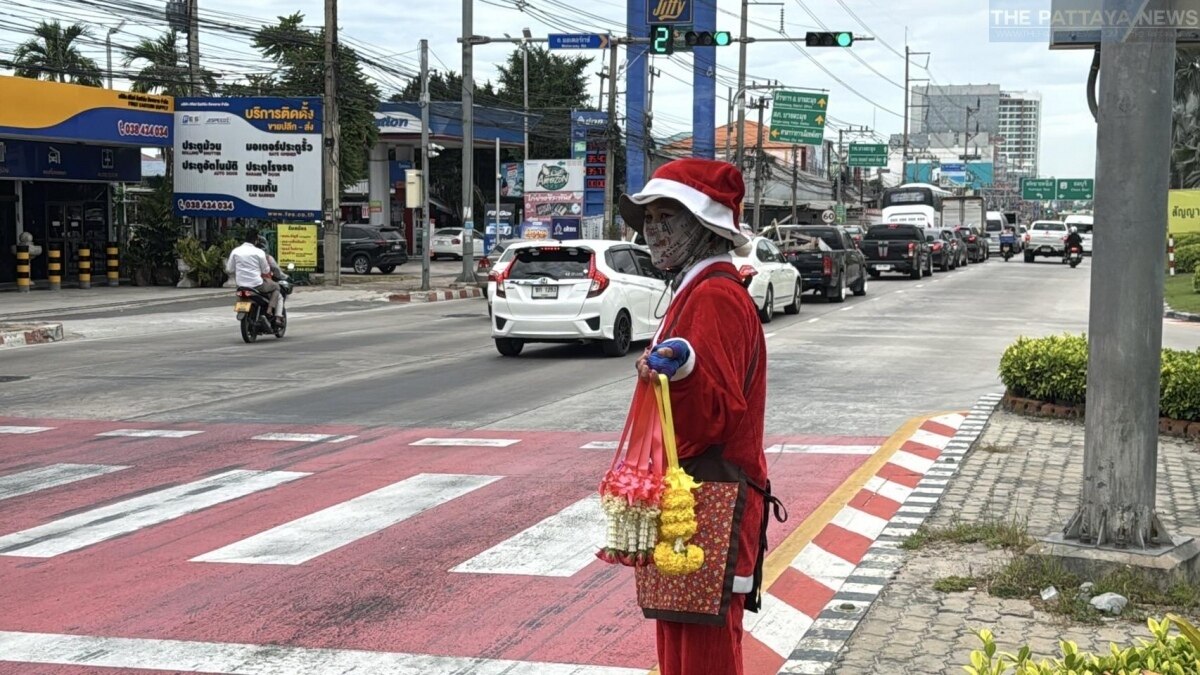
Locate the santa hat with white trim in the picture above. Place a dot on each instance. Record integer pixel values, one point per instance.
(711, 190)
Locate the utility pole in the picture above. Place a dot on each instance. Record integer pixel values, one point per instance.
(108, 49)
(729, 126)
(908, 54)
(795, 181)
(193, 47)
(649, 125)
(741, 83)
(333, 178)
(468, 152)
(838, 178)
(1117, 500)
(610, 224)
(525, 67)
(425, 165)
(967, 112)
(759, 160)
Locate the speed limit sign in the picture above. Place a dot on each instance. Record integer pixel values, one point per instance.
(828, 216)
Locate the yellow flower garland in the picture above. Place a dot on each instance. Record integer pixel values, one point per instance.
(677, 523)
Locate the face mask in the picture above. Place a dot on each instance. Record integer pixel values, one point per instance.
(672, 240)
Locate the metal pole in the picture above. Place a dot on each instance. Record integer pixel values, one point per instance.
(333, 180)
(610, 225)
(525, 68)
(759, 158)
(729, 125)
(468, 152)
(1117, 501)
(497, 218)
(795, 181)
(108, 55)
(904, 152)
(425, 169)
(741, 83)
(838, 178)
(194, 46)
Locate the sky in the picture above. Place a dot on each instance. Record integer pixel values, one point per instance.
(863, 91)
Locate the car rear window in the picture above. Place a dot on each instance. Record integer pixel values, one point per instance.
(554, 262)
(994, 226)
(1050, 227)
(886, 232)
(446, 233)
(391, 235)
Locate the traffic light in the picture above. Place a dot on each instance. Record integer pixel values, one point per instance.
(662, 38)
(829, 39)
(707, 38)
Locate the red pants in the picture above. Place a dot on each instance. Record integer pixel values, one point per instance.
(696, 649)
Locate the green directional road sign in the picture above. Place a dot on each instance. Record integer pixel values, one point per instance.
(839, 211)
(1075, 188)
(799, 117)
(1037, 189)
(868, 154)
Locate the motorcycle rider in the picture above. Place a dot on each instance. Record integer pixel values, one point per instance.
(1074, 240)
(277, 272)
(250, 268)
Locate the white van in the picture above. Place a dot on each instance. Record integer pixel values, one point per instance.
(1082, 223)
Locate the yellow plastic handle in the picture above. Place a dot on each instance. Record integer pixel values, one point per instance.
(662, 392)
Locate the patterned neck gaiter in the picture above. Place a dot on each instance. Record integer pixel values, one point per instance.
(674, 241)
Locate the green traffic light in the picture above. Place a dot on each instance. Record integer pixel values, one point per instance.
(722, 38)
(845, 39)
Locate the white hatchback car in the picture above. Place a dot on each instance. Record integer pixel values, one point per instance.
(578, 291)
(774, 283)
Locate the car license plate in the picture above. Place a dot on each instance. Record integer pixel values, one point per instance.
(1045, 249)
(545, 293)
(883, 268)
(241, 307)
(395, 247)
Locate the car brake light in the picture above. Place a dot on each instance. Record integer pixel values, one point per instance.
(499, 279)
(937, 245)
(1027, 237)
(484, 263)
(243, 294)
(599, 281)
(912, 248)
(747, 272)
(972, 238)
(456, 242)
(827, 266)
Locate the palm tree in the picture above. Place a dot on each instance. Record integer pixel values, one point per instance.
(53, 55)
(1185, 121)
(165, 70)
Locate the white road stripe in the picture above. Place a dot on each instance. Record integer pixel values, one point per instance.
(931, 439)
(847, 309)
(778, 625)
(23, 430)
(318, 533)
(247, 659)
(920, 286)
(816, 449)
(911, 462)
(42, 478)
(302, 438)
(600, 445)
(468, 442)
(814, 319)
(892, 490)
(558, 546)
(823, 566)
(768, 336)
(905, 520)
(952, 420)
(150, 433)
(859, 522)
(806, 667)
(91, 527)
(869, 589)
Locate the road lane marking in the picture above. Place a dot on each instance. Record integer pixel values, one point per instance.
(23, 430)
(329, 529)
(150, 433)
(559, 546)
(860, 522)
(919, 286)
(892, 490)
(92, 527)
(914, 463)
(936, 441)
(814, 319)
(600, 445)
(777, 624)
(819, 449)
(822, 566)
(846, 309)
(302, 438)
(768, 336)
(46, 477)
(248, 659)
(467, 442)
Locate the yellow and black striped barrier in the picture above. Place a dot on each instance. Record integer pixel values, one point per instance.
(114, 265)
(54, 266)
(23, 281)
(85, 267)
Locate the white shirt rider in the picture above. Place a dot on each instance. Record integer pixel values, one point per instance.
(247, 263)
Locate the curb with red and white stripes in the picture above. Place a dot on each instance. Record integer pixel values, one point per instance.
(859, 550)
(435, 296)
(31, 334)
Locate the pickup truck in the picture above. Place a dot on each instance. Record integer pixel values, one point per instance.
(1046, 238)
(897, 247)
(825, 257)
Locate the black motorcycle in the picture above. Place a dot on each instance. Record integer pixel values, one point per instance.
(251, 308)
(1075, 256)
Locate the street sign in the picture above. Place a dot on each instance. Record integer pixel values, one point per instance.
(839, 212)
(1075, 188)
(1037, 189)
(799, 117)
(828, 216)
(578, 41)
(868, 154)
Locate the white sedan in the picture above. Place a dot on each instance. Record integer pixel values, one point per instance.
(774, 283)
(447, 242)
(578, 291)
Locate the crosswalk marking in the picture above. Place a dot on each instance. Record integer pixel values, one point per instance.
(600, 445)
(467, 442)
(328, 529)
(91, 527)
(302, 438)
(42, 478)
(558, 546)
(23, 430)
(822, 449)
(248, 659)
(150, 433)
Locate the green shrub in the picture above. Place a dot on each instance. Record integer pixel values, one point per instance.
(1052, 369)
(1196, 280)
(1186, 258)
(1186, 239)
(1179, 388)
(207, 264)
(1166, 654)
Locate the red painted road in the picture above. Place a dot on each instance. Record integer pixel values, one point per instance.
(389, 591)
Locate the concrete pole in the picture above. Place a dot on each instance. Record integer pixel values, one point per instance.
(194, 46)
(425, 169)
(333, 179)
(741, 85)
(468, 151)
(1133, 139)
(729, 126)
(795, 181)
(904, 131)
(497, 218)
(759, 160)
(610, 224)
(838, 177)
(525, 79)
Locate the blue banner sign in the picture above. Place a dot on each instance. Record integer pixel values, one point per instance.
(69, 162)
(578, 41)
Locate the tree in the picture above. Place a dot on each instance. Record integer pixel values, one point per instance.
(164, 68)
(445, 86)
(1185, 128)
(299, 54)
(557, 85)
(54, 55)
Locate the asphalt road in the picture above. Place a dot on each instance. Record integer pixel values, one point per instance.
(864, 367)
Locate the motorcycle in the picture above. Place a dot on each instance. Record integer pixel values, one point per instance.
(1007, 242)
(1075, 256)
(251, 308)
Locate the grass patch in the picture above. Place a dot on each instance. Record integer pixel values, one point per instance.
(954, 584)
(1008, 535)
(1178, 293)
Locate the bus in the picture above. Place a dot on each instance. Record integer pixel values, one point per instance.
(915, 203)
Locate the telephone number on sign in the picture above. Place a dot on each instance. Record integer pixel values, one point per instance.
(205, 205)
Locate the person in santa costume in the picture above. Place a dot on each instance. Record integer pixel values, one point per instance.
(711, 347)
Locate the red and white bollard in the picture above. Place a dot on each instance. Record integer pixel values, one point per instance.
(1171, 255)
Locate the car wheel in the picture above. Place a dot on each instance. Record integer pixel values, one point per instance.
(874, 274)
(361, 264)
(509, 346)
(837, 294)
(929, 267)
(387, 269)
(916, 272)
(622, 336)
(767, 312)
(794, 308)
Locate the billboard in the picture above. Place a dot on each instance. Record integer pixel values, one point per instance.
(253, 157)
(56, 111)
(512, 179)
(1183, 211)
(69, 161)
(554, 175)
